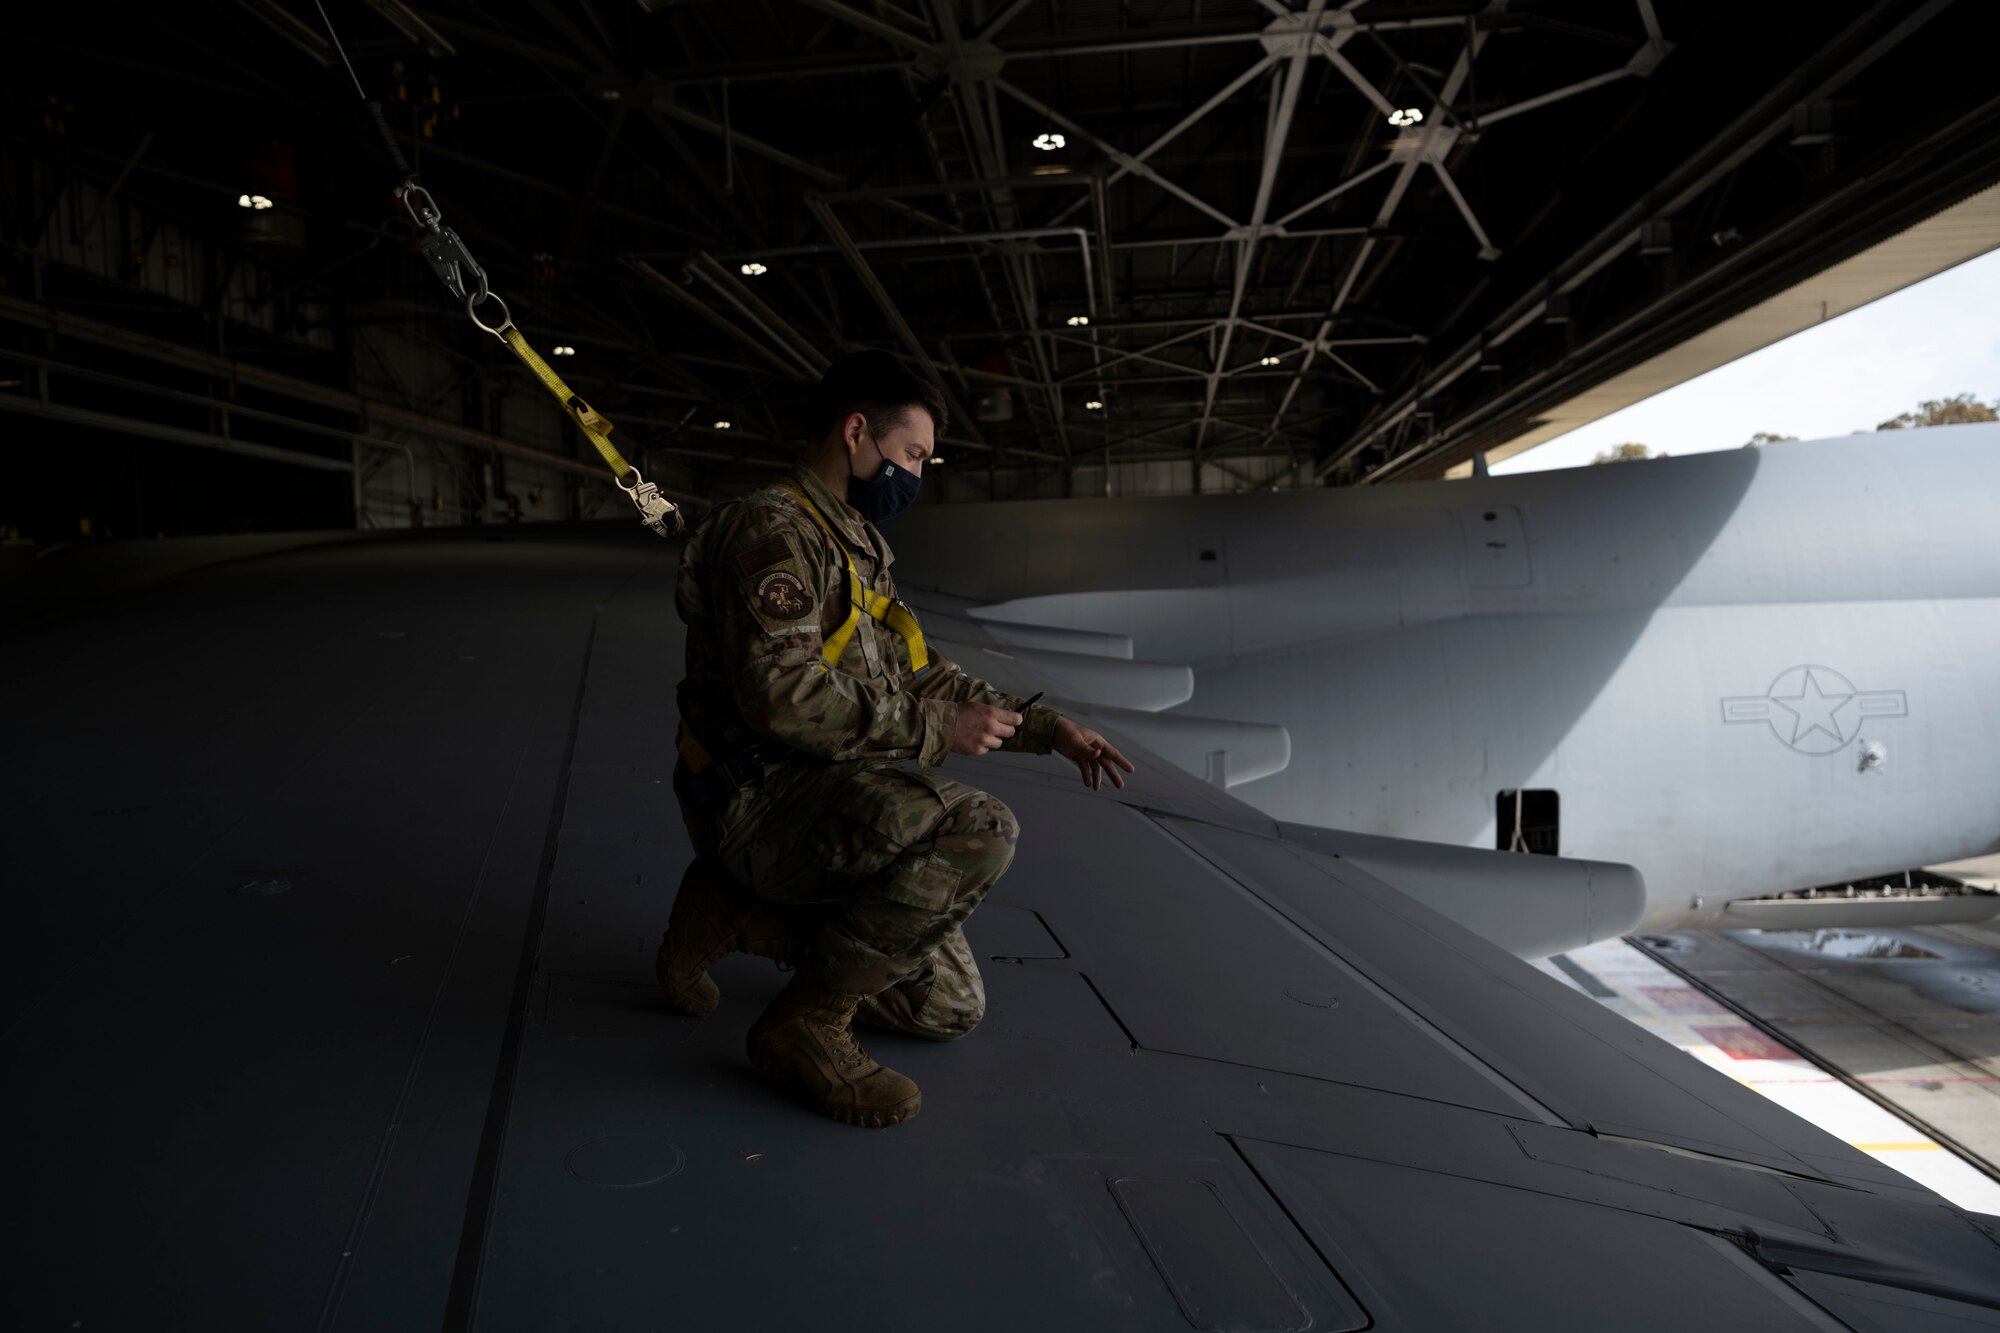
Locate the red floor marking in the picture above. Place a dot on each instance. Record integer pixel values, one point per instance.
(1682, 1000)
(1874, 1078)
(1744, 1043)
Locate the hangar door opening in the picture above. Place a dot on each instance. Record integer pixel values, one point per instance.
(1528, 821)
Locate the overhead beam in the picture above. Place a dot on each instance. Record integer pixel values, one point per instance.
(1677, 319)
(1126, 166)
(1885, 25)
(998, 23)
(731, 288)
(80, 416)
(663, 103)
(1275, 135)
(1124, 160)
(933, 63)
(1461, 70)
(880, 295)
(868, 23)
(366, 410)
(681, 296)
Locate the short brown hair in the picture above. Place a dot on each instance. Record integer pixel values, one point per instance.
(876, 385)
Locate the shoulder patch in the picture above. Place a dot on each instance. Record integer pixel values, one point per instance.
(773, 550)
(783, 596)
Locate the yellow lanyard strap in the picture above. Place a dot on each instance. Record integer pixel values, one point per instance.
(880, 606)
(595, 426)
(692, 750)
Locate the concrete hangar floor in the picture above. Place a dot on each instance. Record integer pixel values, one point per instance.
(1887, 1038)
(338, 872)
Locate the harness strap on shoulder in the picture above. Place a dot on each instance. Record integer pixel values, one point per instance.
(865, 601)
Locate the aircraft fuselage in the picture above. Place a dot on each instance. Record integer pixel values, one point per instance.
(1744, 672)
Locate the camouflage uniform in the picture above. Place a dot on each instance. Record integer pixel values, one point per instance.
(882, 861)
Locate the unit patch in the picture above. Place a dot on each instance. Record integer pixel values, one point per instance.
(783, 596)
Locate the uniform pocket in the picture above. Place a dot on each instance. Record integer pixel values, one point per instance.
(947, 792)
(931, 885)
(932, 881)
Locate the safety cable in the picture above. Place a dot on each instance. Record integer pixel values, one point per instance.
(462, 276)
(338, 47)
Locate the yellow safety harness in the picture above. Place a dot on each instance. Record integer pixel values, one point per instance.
(735, 769)
(862, 600)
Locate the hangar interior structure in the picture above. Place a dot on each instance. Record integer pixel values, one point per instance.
(342, 869)
(1190, 245)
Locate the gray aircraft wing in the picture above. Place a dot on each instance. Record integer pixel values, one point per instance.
(1530, 906)
(344, 871)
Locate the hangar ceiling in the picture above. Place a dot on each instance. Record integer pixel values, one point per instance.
(1295, 243)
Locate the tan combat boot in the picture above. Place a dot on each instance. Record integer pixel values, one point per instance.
(805, 1042)
(711, 920)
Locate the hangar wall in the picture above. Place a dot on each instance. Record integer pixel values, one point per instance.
(165, 376)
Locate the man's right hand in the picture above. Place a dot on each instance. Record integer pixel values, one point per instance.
(981, 729)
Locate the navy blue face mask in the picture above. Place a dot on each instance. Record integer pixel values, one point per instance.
(886, 494)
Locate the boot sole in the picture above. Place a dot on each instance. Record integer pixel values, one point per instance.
(846, 1116)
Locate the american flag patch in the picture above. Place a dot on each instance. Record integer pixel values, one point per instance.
(773, 550)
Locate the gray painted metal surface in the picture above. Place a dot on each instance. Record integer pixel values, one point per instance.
(1743, 672)
(343, 870)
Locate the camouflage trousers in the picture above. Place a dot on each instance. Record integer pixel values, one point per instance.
(882, 865)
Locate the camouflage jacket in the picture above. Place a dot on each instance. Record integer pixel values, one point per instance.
(762, 587)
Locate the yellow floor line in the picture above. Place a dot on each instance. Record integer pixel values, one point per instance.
(1897, 1147)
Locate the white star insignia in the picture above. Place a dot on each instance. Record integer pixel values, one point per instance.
(1813, 710)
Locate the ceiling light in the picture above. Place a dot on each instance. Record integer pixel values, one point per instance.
(256, 201)
(1078, 321)
(1409, 115)
(1049, 141)
(564, 350)
(935, 462)
(1268, 361)
(1093, 405)
(753, 269)
(722, 425)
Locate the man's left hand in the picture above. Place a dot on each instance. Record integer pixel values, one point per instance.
(1095, 757)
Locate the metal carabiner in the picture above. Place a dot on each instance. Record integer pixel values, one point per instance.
(655, 510)
(442, 247)
(454, 264)
(431, 216)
